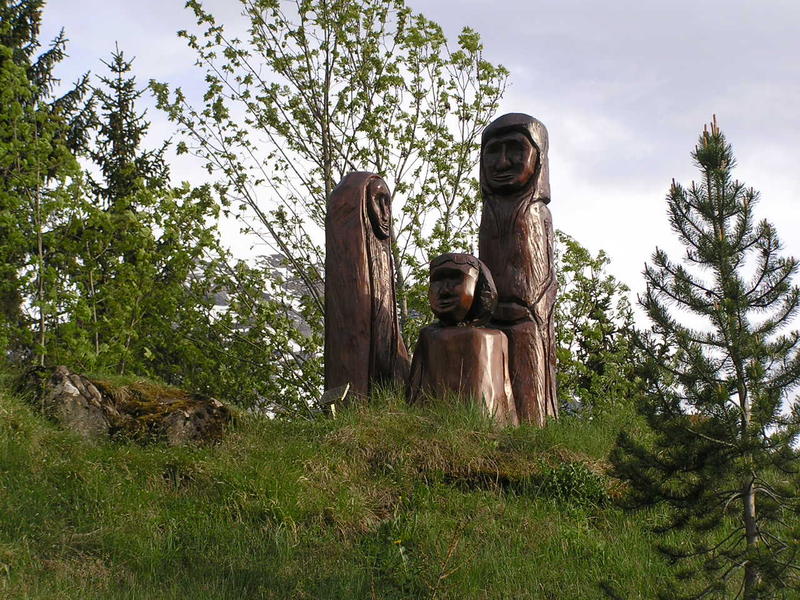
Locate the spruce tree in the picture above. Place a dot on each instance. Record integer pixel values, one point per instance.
(125, 166)
(722, 458)
(116, 241)
(137, 243)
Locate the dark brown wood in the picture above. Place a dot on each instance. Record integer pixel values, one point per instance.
(363, 344)
(516, 243)
(459, 357)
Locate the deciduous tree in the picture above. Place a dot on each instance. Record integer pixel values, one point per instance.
(38, 133)
(597, 357)
(318, 88)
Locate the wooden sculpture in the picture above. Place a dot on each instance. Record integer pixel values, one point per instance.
(363, 344)
(516, 243)
(458, 356)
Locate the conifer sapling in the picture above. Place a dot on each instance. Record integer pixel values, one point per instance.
(722, 457)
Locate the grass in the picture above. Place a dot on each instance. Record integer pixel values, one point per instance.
(384, 502)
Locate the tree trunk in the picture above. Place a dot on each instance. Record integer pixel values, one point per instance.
(751, 576)
(400, 288)
(40, 275)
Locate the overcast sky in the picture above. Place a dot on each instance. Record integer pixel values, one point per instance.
(623, 86)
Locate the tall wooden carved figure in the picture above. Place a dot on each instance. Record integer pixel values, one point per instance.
(516, 243)
(363, 344)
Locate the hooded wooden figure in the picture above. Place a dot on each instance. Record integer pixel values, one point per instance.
(459, 356)
(362, 334)
(516, 243)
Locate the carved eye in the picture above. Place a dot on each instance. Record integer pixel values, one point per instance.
(492, 148)
(379, 208)
(516, 147)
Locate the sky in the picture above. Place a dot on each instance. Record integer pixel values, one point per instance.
(624, 88)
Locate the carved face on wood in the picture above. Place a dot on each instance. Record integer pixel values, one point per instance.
(461, 290)
(379, 207)
(452, 291)
(514, 163)
(362, 334)
(509, 161)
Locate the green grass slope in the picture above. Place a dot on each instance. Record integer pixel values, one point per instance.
(383, 502)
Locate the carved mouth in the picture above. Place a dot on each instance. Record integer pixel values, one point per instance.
(446, 302)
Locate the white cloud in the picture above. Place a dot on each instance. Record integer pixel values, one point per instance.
(624, 88)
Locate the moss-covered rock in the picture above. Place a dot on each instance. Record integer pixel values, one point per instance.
(140, 410)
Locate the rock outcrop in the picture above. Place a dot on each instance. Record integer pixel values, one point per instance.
(142, 411)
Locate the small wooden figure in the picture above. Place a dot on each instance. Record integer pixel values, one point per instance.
(458, 355)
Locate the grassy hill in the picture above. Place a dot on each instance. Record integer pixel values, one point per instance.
(383, 502)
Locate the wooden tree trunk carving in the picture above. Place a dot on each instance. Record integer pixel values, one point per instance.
(516, 243)
(363, 344)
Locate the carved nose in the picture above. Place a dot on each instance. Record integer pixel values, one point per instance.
(502, 161)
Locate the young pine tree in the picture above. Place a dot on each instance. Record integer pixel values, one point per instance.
(125, 165)
(116, 241)
(722, 457)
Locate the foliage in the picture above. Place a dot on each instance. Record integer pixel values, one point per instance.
(134, 244)
(38, 132)
(114, 273)
(573, 482)
(256, 351)
(595, 330)
(320, 88)
(723, 454)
